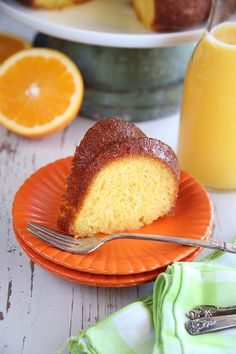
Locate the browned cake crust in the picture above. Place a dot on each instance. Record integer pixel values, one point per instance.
(177, 14)
(101, 136)
(80, 179)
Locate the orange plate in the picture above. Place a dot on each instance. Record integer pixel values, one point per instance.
(39, 199)
(114, 281)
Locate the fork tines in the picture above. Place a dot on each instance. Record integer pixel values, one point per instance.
(60, 236)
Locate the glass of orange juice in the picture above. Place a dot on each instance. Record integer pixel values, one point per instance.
(207, 136)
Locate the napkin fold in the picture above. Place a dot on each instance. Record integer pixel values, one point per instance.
(155, 324)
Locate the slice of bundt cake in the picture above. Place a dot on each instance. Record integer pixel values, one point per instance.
(119, 180)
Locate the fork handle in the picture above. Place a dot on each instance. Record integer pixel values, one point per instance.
(223, 246)
(210, 311)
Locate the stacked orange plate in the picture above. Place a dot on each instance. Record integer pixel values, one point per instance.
(118, 263)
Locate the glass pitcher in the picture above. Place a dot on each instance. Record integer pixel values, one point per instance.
(207, 136)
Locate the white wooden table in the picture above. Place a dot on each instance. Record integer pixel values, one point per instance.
(38, 311)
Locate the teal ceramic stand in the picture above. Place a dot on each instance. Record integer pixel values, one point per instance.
(135, 84)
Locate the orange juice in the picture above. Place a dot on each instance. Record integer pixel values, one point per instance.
(207, 138)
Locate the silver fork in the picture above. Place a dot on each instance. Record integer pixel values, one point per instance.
(210, 324)
(210, 311)
(85, 245)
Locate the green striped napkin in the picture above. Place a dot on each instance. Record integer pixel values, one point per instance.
(155, 324)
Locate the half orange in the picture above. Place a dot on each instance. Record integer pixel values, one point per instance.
(41, 91)
(11, 44)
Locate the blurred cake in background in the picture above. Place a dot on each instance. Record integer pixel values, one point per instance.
(157, 15)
